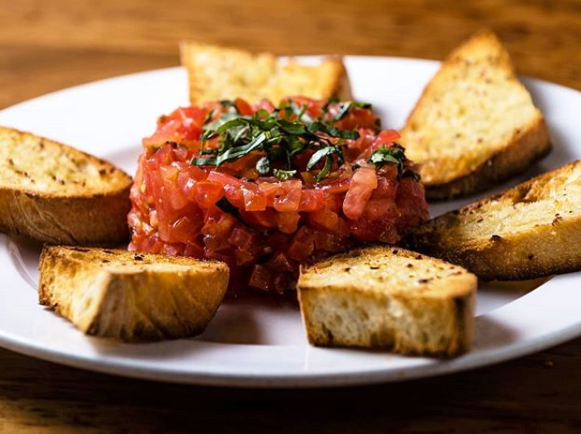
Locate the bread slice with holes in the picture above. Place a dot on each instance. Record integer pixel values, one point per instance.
(475, 124)
(56, 194)
(131, 296)
(531, 230)
(386, 297)
(218, 73)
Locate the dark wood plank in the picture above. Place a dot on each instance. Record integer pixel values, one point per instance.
(540, 393)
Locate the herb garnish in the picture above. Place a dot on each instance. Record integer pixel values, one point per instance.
(393, 155)
(384, 155)
(326, 153)
(284, 175)
(278, 137)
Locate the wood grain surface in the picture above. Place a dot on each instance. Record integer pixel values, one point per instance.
(46, 45)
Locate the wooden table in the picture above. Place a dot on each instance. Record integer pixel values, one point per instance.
(47, 45)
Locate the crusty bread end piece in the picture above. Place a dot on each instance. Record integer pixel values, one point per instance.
(56, 194)
(387, 297)
(217, 73)
(475, 124)
(531, 230)
(131, 296)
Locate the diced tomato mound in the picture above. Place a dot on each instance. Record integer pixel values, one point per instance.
(261, 226)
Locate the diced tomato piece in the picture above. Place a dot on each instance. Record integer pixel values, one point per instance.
(181, 153)
(278, 241)
(266, 219)
(303, 244)
(234, 195)
(176, 197)
(216, 231)
(270, 190)
(215, 243)
(169, 173)
(248, 244)
(376, 209)
(411, 200)
(224, 178)
(162, 156)
(334, 202)
(185, 228)
(254, 200)
(388, 136)
(280, 263)
(363, 183)
(311, 200)
(291, 198)
(325, 219)
(187, 178)
(244, 108)
(382, 228)
(386, 188)
(288, 222)
(336, 186)
(151, 244)
(261, 277)
(329, 242)
(208, 193)
(185, 123)
(194, 250)
(243, 238)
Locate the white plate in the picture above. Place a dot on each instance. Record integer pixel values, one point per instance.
(261, 342)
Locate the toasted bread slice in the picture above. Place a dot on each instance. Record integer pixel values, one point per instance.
(56, 194)
(131, 296)
(475, 124)
(217, 73)
(386, 297)
(531, 230)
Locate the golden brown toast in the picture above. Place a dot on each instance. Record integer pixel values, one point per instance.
(388, 297)
(531, 230)
(218, 73)
(131, 296)
(56, 194)
(475, 124)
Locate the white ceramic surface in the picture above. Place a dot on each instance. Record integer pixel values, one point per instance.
(257, 342)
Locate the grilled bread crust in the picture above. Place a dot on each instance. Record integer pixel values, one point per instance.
(131, 296)
(531, 230)
(390, 298)
(475, 124)
(53, 193)
(218, 73)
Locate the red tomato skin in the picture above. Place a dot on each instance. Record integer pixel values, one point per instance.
(362, 185)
